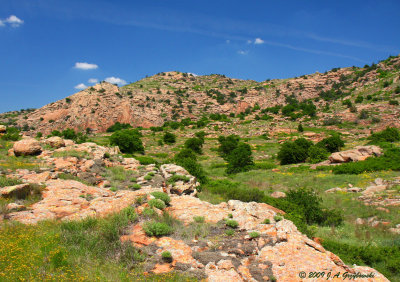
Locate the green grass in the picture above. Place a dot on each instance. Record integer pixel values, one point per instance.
(86, 250)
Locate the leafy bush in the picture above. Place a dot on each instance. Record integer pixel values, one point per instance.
(162, 196)
(254, 235)
(157, 229)
(390, 134)
(332, 144)
(385, 259)
(232, 190)
(145, 160)
(227, 145)
(240, 159)
(230, 232)
(267, 221)
(300, 128)
(278, 218)
(12, 134)
(166, 256)
(169, 138)
(294, 152)
(118, 126)
(157, 203)
(199, 219)
(317, 154)
(128, 141)
(232, 223)
(196, 144)
(394, 102)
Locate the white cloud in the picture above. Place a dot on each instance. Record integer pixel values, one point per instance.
(81, 86)
(258, 41)
(242, 52)
(12, 20)
(228, 41)
(115, 80)
(249, 41)
(93, 80)
(86, 66)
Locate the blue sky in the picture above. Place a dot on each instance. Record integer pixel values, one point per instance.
(49, 47)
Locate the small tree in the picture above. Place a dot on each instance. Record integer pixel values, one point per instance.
(128, 141)
(332, 144)
(300, 128)
(227, 145)
(294, 152)
(240, 159)
(169, 138)
(196, 144)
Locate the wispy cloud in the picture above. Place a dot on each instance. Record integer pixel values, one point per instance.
(115, 80)
(12, 21)
(85, 66)
(80, 86)
(243, 52)
(258, 41)
(93, 80)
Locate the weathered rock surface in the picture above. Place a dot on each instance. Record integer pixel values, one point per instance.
(55, 142)
(360, 153)
(68, 199)
(3, 128)
(27, 147)
(179, 187)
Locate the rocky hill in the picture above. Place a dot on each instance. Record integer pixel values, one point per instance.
(174, 96)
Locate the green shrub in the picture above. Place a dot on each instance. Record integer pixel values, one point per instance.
(136, 186)
(227, 145)
(166, 256)
(232, 223)
(199, 219)
(149, 212)
(118, 126)
(169, 138)
(230, 232)
(157, 229)
(231, 190)
(363, 114)
(300, 128)
(195, 144)
(128, 141)
(266, 221)
(148, 177)
(332, 144)
(385, 259)
(278, 218)
(240, 159)
(12, 134)
(265, 165)
(254, 235)
(394, 102)
(157, 203)
(162, 196)
(145, 160)
(294, 152)
(317, 154)
(390, 134)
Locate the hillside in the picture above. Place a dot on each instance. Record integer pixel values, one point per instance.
(175, 96)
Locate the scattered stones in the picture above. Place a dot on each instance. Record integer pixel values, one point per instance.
(15, 207)
(374, 189)
(27, 147)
